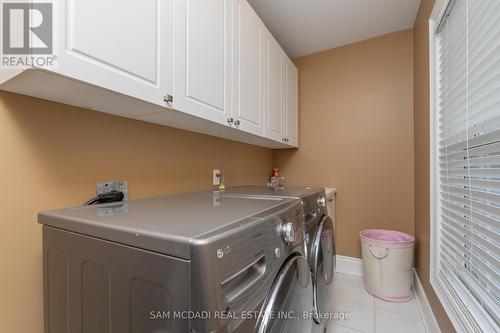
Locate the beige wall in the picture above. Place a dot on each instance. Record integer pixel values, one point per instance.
(421, 129)
(356, 127)
(52, 156)
(356, 133)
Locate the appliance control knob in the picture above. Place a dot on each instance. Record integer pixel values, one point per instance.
(288, 230)
(322, 202)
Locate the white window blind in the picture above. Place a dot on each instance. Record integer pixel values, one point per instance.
(467, 58)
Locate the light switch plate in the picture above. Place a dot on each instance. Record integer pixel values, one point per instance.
(113, 185)
(215, 178)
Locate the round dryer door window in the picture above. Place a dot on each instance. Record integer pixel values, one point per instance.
(289, 298)
(323, 255)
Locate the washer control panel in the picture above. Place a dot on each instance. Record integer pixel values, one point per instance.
(314, 206)
(321, 201)
(288, 232)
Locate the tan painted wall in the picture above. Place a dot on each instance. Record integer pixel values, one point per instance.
(422, 180)
(356, 133)
(52, 156)
(356, 127)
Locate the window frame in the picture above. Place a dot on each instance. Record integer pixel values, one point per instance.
(452, 299)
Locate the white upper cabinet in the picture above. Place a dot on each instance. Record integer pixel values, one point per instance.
(202, 74)
(207, 66)
(125, 47)
(292, 105)
(248, 73)
(275, 67)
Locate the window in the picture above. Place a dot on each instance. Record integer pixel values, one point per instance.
(465, 145)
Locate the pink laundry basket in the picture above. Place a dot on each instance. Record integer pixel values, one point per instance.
(387, 264)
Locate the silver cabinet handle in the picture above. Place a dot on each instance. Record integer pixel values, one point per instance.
(230, 120)
(168, 98)
(237, 122)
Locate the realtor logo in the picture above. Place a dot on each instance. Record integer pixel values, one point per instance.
(27, 28)
(27, 34)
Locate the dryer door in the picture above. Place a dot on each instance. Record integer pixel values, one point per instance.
(289, 298)
(323, 258)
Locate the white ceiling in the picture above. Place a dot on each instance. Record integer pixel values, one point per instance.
(308, 26)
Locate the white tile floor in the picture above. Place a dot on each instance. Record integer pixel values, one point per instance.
(370, 314)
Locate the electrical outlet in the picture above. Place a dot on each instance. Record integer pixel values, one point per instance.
(113, 185)
(216, 178)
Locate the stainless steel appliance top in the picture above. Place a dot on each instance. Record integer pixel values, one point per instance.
(168, 224)
(256, 190)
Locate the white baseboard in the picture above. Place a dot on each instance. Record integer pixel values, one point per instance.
(349, 265)
(430, 322)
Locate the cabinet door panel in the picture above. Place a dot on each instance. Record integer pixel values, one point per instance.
(125, 47)
(292, 107)
(274, 107)
(205, 52)
(248, 58)
(202, 62)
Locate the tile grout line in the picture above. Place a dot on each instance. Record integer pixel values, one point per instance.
(417, 315)
(350, 328)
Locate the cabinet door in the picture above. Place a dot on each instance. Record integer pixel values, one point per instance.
(248, 73)
(123, 46)
(202, 58)
(275, 90)
(292, 105)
